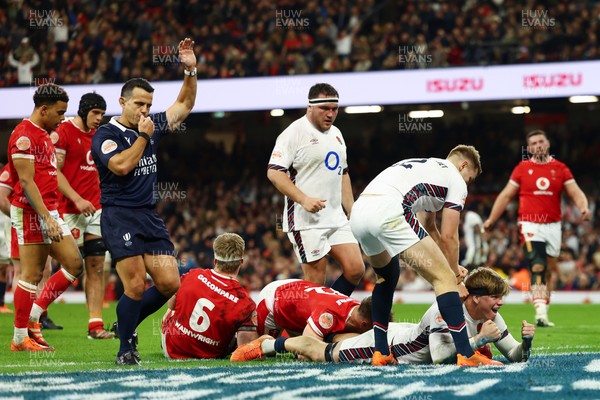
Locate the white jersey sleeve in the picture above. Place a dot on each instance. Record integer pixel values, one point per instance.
(507, 344)
(315, 162)
(422, 184)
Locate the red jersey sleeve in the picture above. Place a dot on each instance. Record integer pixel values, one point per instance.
(326, 321)
(517, 174)
(59, 139)
(6, 178)
(567, 175)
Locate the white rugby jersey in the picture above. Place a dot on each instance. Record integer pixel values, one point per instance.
(477, 247)
(429, 341)
(315, 162)
(422, 184)
(441, 344)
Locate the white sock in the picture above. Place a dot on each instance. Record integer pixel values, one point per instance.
(268, 347)
(19, 335)
(67, 275)
(36, 312)
(541, 309)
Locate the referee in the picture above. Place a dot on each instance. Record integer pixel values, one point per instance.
(124, 151)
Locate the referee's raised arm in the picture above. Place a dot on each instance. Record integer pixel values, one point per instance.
(182, 107)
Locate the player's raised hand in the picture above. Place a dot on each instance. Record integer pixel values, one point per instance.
(186, 53)
(313, 205)
(146, 125)
(527, 331)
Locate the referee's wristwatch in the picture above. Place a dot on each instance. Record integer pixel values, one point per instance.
(190, 73)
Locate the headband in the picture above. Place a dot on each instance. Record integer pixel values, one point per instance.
(227, 259)
(479, 292)
(322, 100)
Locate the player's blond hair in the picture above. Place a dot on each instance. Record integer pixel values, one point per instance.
(229, 246)
(488, 280)
(469, 153)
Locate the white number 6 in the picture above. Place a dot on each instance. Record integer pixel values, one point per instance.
(199, 313)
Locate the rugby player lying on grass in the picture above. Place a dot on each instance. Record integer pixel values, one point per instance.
(424, 343)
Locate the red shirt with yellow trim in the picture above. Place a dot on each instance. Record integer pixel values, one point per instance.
(30, 142)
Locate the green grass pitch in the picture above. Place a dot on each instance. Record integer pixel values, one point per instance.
(575, 331)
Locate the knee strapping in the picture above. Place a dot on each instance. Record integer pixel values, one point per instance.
(94, 247)
(536, 255)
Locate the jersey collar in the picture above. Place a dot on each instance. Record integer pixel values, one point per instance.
(113, 121)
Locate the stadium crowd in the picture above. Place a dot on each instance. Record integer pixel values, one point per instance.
(103, 42)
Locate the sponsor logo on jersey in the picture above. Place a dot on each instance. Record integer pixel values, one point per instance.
(5, 176)
(276, 154)
(315, 252)
(108, 146)
(23, 143)
(326, 320)
(314, 141)
(54, 137)
(339, 140)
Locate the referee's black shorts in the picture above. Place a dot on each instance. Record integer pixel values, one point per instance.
(131, 232)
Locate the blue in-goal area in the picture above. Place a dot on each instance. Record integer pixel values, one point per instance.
(575, 375)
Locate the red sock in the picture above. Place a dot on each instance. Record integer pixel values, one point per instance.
(23, 299)
(95, 324)
(53, 288)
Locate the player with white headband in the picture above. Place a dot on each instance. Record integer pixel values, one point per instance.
(211, 307)
(309, 166)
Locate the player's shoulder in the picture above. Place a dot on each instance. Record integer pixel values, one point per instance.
(25, 128)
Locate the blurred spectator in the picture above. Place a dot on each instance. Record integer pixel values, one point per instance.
(24, 59)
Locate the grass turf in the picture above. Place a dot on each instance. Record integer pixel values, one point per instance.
(75, 352)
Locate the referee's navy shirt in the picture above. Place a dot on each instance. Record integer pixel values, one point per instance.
(137, 188)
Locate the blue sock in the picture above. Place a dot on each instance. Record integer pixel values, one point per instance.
(343, 285)
(280, 345)
(128, 311)
(383, 297)
(452, 311)
(152, 301)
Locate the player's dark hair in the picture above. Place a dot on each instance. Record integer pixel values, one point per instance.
(133, 83)
(365, 309)
(535, 133)
(49, 94)
(322, 88)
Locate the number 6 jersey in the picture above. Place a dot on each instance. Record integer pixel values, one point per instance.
(315, 162)
(209, 309)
